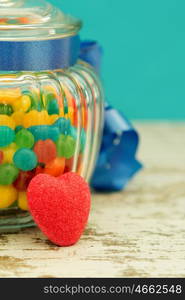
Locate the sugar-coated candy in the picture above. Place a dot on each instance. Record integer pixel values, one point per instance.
(24, 139)
(65, 146)
(22, 201)
(25, 159)
(7, 121)
(53, 107)
(44, 132)
(6, 109)
(24, 178)
(1, 157)
(8, 174)
(8, 196)
(45, 151)
(34, 118)
(55, 167)
(60, 206)
(7, 136)
(63, 125)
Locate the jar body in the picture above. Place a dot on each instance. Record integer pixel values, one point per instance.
(51, 123)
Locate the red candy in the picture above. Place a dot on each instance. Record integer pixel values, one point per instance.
(68, 165)
(23, 180)
(1, 157)
(60, 206)
(45, 151)
(39, 170)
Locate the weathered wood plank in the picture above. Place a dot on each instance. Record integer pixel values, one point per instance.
(139, 232)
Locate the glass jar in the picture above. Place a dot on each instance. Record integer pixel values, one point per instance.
(50, 115)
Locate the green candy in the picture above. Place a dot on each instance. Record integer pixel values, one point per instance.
(24, 139)
(6, 109)
(53, 107)
(65, 146)
(8, 174)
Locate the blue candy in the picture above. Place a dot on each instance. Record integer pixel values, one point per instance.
(63, 125)
(73, 132)
(82, 140)
(25, 159)
(44, 132)
(7, 136)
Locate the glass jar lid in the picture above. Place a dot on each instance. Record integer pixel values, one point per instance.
(22, 20)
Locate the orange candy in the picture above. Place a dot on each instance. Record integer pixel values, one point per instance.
(45, 151)
(55, 167)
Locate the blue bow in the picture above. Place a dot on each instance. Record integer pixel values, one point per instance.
(116, 164)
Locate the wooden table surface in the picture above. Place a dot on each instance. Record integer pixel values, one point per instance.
(139, 232)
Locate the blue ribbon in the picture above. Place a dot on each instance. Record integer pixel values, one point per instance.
(116, 163)
(39, 55)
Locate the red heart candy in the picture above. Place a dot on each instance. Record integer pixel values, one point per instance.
(60, 206)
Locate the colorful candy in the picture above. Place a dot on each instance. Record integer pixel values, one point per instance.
(24, 139)
(7, 136)
(22, 104)
(65, 146)
(18, 117)
(44, 132)
(7, 121)
(6, 109)
(24, 178)
(53, 107)
(45, 151)
(1, 157)
(63, 125)
(25, 159)
(8, 153)
(22, 201)
(82, 140)
(8, 196)
(38, 134)
(55, 167)
(8, 174)
(34, 118)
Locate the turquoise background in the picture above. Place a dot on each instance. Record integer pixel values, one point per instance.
(144, 53)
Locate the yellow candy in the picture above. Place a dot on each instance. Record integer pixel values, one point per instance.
(53, 119)
(22, 201)
(62, 113)
(22, 104)
(71, 114)
(8, 195)
(9, 152)
(34, 118)
(7, 121)
(9, 96)
(18, 117)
